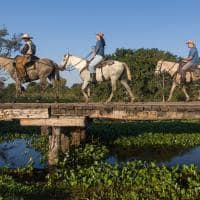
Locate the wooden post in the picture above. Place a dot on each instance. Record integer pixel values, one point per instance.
(65, 142)
(75, 136)
(45, 130)
(54, 146)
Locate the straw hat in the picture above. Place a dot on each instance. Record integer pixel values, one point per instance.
(190, 42)
(100, 34)
(26, 36)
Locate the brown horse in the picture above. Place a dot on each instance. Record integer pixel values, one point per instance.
(42, 70)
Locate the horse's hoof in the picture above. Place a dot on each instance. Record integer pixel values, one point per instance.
(187, 99)
(133, 100)
(87, 101)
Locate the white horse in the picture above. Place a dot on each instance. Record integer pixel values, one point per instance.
(116, 71)
(172, 68)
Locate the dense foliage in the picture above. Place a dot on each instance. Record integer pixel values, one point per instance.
(83, 173)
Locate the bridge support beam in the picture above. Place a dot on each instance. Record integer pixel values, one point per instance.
(54, 146)
(64, 133)
(45, 130)
(62, 139)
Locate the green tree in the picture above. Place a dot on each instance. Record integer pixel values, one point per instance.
(9, 44)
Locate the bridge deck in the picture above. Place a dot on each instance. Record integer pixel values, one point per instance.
(126, 111)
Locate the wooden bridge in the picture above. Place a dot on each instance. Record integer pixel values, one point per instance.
(60, 120)
(47, 113)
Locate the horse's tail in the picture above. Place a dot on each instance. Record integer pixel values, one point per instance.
(57, 74)
(128, 72)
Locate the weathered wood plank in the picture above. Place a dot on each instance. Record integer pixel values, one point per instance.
(6, 114)
(60, 122)
(130, 111)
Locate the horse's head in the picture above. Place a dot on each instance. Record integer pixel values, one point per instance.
(159, 68)
(66, 61)
(6, 62)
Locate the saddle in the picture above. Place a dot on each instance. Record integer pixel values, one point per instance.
(99, 67)
(192, 75)
(104, 63)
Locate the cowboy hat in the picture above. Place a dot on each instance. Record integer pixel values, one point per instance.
(100, 34)
(26, 36)
(190, 42)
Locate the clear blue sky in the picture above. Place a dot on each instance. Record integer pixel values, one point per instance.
(61, 26)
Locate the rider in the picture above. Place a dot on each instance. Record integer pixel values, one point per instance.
(191, 61)
(28, 54)
(98, 55)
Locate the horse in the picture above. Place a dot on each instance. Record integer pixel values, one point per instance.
(41, 70)
(114, 72)
(172, 68)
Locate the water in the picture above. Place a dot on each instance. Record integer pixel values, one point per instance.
(190, 157)
(180, 157)
(16, 153)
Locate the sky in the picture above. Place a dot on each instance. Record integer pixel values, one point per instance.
(62, 26)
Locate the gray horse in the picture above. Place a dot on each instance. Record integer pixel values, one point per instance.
(113, 72)
(42, 70)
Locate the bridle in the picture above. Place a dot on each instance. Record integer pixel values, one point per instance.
(71, 68)
(66, 61)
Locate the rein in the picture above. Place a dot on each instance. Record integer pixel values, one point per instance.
(73, 68)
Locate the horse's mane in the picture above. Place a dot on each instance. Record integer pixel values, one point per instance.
(80, 57)
(169, 61)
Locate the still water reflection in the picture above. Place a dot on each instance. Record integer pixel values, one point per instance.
(17, 153)
(188, 156)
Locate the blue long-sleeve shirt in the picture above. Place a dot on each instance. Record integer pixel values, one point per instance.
(99, 48)
(194, 54)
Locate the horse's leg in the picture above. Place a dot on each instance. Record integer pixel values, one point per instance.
(83, 88)
(43, 84)
(185, 92)
(114, 87)
(172, 90)
(55, 84)
(88, 92)
(127, 87)
(18, 89)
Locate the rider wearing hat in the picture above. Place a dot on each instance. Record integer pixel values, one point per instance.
(98, 55)
(29, 48)
(28, 53)
(191, 61)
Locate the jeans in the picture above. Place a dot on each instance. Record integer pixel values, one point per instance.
(97, 59)
(187, 67)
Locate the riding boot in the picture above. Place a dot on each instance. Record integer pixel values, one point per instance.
(93, 78)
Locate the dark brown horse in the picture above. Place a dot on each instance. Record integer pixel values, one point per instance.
(42, 70)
